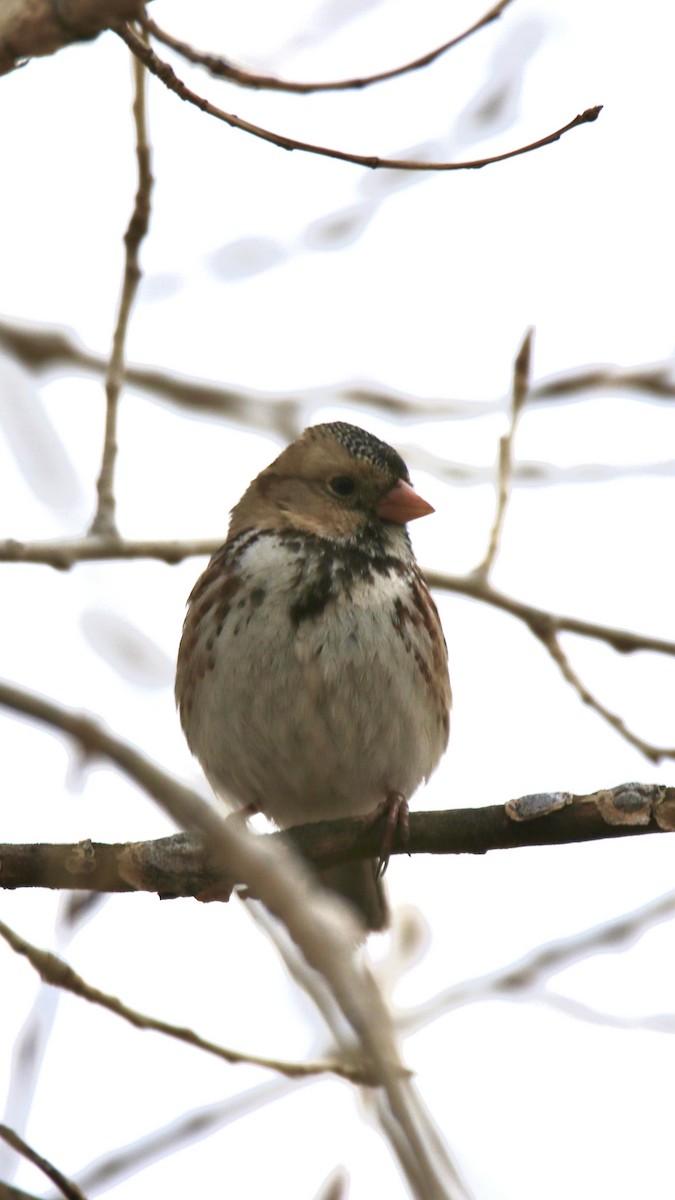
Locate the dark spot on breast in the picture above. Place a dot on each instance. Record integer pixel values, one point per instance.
(313, 599)
(257, 597)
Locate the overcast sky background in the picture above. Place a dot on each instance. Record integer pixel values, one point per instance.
(285, 272)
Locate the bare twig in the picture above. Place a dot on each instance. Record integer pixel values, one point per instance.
(66, 553)
(53, 970)
(169, 78)
(548, 638)
(222, 68)
(69, 1189)
(104, 518)
(519, 392)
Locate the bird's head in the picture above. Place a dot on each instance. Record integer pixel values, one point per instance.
(334, 481)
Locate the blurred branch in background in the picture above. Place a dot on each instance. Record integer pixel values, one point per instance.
(123, 1162)
(45, 349)
(525, 979)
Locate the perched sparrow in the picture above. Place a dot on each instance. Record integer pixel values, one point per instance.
(312, 673)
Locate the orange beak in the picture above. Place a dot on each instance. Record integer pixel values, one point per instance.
(402, 504)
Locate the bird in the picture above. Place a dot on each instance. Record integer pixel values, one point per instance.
(312, 676)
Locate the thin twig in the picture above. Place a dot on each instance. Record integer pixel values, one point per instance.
(222, 68)
(104, 518)
(69, 1189)
(54, 971)
(549, 639)
(519, 393)
(66, 553)
(541, 619)
(169, 78)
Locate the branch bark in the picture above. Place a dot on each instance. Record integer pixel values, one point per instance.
(33, 28)
(177, 866)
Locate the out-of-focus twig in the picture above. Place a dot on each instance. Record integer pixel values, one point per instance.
(55, 971)
(66, 1186)
(104, 519)
(525, 978)
(169, 78)
(43, 348)
(519, 391)
(123, 1162)
(222, 68)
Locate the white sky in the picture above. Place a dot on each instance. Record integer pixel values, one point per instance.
(432, 298)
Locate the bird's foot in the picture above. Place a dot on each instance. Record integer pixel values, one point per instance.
(395, 809)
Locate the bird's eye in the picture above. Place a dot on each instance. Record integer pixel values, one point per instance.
(342, 485)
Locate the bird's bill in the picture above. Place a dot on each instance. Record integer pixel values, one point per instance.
(402, 504)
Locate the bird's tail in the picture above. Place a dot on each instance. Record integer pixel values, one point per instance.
(358, 884)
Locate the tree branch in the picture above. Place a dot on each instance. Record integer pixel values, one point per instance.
(222, 68)
(519, 393)
(42, 27)
(54, 971)
(139, 222)
(178, 865)
(163, 71)
(66, 1186)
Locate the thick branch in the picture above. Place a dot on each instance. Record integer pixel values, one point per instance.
(176, 866)
(39, 27)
